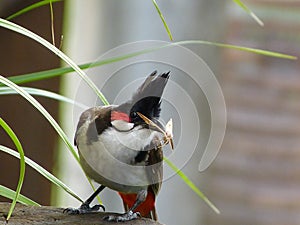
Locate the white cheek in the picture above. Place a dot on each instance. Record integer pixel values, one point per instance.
(122, 125)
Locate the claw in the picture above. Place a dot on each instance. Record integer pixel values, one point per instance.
(84, 209)
(124, 217)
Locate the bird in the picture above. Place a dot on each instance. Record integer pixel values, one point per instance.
(119, 150)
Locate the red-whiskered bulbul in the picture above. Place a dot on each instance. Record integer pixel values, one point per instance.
(119, 150)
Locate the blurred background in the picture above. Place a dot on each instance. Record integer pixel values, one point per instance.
(255, 178)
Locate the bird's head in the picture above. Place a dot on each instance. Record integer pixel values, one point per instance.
(146, 100)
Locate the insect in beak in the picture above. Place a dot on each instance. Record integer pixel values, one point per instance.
(168, 133)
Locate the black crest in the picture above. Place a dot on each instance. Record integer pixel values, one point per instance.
(147, 99)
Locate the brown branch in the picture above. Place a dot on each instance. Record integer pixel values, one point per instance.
(33, 215)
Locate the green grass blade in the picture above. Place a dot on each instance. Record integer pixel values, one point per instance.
(19, 147)
(42, 171)
(41, 75)
(52, 22)
(21, 30)
(43, 111)
(43, 93)
(163, 20)
(248, 11)
(31, 7)
(10, 194)
(46, 74)
(241, 48)
(191, 185)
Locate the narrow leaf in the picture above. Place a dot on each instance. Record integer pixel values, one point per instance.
(241, 48)
(19, 29)
(43, 93)
(248, 11)
(191, 185)
(163, 20)
(41, 75)
(19, 147)
(52, 22)
(31, 7)
(42, 171)
(46, 74)
(43, 111)
(10, 194)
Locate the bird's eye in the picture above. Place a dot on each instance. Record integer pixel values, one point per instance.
(133, 115)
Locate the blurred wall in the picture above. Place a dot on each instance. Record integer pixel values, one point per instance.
(20, 55)
(255, 178)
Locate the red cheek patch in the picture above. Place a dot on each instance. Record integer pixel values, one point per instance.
(115, 115)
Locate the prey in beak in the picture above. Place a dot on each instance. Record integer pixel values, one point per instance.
(167, 132)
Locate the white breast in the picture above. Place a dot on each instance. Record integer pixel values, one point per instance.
(112, 157)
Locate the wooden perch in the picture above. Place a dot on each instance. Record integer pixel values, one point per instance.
(33, 215)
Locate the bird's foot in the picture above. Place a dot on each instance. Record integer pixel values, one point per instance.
(124, 217)
(84, 209)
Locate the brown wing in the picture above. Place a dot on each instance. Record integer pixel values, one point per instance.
(155, 166)
(155, 172)
(97, 119)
